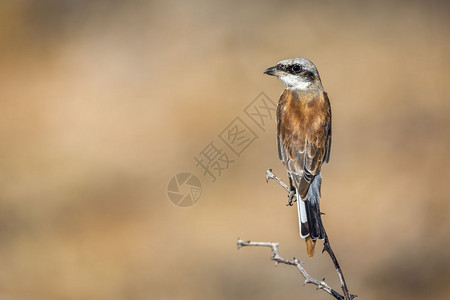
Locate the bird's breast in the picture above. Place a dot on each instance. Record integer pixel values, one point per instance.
(302, 116)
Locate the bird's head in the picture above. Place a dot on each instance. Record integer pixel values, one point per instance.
(296, 73)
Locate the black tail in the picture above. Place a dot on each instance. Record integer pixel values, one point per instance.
(313, 214)
(311, 227)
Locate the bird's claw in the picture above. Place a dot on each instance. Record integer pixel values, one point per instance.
(291, 198)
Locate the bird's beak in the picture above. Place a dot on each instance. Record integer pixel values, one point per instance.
(273, 71)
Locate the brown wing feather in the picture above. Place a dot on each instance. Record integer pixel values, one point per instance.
(328, 128)
(304, 135)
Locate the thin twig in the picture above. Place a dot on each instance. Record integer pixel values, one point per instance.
(327, 248)
(326, 243)
(270, 175)
(320, 284)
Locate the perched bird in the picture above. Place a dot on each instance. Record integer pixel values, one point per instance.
(304, 140)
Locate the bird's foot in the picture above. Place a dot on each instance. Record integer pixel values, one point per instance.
(292, 197)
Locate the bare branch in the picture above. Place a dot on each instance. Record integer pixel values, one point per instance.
(327, 248)
(326, 243)
(270, 175)
(320, 284)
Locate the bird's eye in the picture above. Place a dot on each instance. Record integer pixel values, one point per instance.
(296, 68)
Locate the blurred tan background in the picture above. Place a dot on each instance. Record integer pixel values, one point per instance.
(102, 102)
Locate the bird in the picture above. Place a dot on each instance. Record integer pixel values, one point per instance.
(303, 140)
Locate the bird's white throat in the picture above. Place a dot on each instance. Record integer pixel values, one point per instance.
(294, 82)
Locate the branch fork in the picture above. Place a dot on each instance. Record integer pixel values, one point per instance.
(320, 284)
